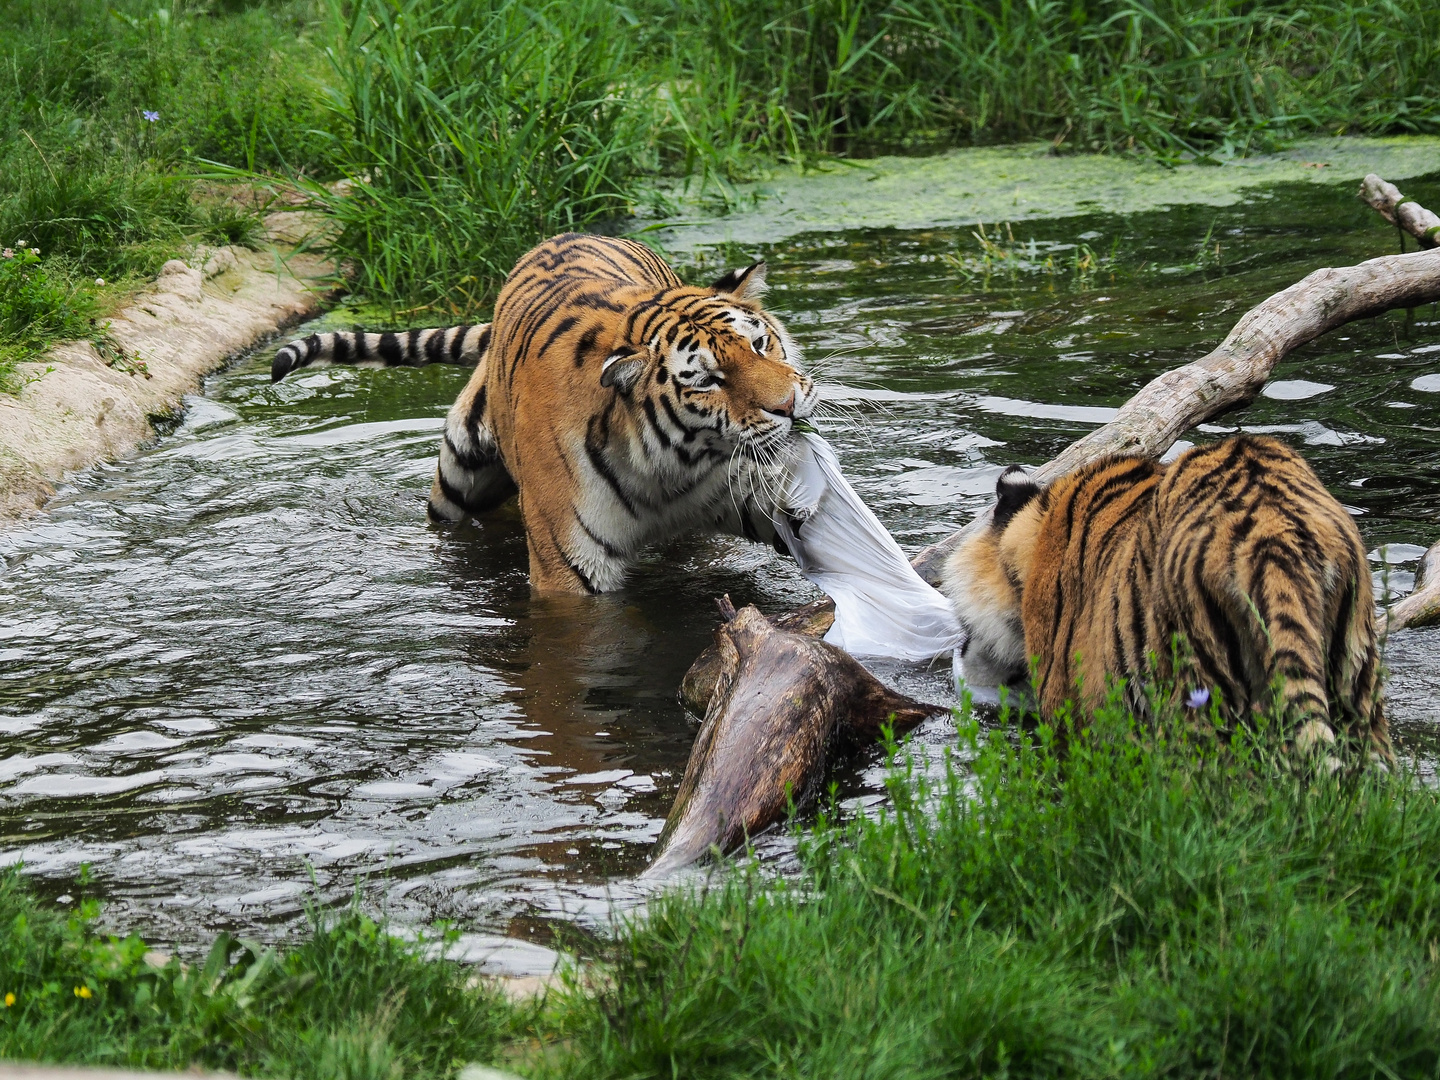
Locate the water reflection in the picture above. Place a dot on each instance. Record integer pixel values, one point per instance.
(241, 669)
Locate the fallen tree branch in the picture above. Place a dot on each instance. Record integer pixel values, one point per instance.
(1235, 372)
(1405, 214)
(779, 704)
(1422, 606)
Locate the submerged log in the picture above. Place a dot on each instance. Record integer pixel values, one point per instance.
(780, 704)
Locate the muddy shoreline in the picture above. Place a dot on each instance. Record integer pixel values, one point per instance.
(83, 408)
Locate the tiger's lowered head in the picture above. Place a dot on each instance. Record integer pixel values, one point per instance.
(621, 405)
(1231, 571)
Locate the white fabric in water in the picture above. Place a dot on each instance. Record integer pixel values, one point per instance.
(882, 606)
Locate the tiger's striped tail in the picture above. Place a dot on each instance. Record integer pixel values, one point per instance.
(407, 348)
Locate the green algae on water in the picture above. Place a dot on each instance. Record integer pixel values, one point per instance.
(1020, 183)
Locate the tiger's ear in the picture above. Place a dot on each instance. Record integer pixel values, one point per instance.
(622, 369)
(1013, 491)
(744, 284)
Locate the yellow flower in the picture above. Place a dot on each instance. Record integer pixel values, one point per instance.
(82, 992)
(9, 1000)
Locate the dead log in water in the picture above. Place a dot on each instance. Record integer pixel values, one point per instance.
(780, 703)
(698, 685)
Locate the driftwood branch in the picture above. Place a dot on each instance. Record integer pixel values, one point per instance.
(1422, 606)
(780, 703)
(1405, 214)
(1235, 372)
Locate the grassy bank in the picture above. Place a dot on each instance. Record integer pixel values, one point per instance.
(469, 129)
(106, 109)
(351, 1003)
(1131, 910)
(1142, 906)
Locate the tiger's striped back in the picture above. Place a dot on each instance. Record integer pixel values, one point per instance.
(1265, 575)
(1233, 571)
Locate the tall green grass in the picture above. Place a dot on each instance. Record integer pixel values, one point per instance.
(473, 128)
(470, 130)
(1206, 77)
(1145, 905)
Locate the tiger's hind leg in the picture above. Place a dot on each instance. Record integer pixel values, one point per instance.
(470, 477)
(1312, 595)
(1353, 670)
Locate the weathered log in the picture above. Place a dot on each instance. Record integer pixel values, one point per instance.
(781, 703)
(1234, 373)
(1405, 214)
(698, 685)
(1422, 606)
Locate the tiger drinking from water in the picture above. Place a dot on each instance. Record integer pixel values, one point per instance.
(1231, 570)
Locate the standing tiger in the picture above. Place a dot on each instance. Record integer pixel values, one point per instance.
(623, 406)
(1234, 560)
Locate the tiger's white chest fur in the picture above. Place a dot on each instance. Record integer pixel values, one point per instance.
(723, 490)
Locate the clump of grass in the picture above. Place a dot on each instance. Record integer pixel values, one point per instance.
(472, 129)
(350, 1003)
(998, 257)
(752, 79)
(1147, 903)
(35, 309)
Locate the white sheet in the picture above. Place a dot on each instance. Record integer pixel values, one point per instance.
(882, 606)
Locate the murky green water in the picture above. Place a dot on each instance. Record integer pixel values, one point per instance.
(239, 669)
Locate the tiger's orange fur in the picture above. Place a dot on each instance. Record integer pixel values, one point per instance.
(621, 405)
(1233, 562)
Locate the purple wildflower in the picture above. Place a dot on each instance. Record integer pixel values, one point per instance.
(1198, 699)
(150, 115)
(9, 253)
